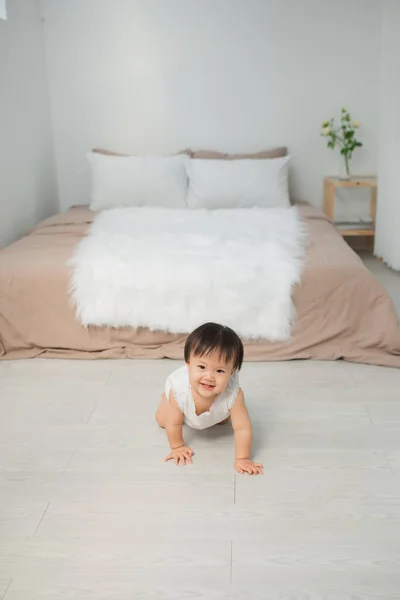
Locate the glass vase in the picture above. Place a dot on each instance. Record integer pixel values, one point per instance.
(344, 170)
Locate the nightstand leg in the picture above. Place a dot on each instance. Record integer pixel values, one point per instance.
(329, 200)
(372, 210)
(372, 213)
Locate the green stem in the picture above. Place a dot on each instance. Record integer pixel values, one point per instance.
(346, 163)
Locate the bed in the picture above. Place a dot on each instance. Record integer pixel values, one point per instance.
(342, 310)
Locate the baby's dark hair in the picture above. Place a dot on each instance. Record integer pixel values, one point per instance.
(211, 337)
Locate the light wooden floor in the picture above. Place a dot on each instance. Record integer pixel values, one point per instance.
(88, 510)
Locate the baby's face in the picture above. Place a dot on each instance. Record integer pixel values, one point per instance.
(209, 375)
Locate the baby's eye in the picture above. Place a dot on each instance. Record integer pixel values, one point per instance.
(220, 371)
(201, 366)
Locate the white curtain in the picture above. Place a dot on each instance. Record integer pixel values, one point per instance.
(387, 240)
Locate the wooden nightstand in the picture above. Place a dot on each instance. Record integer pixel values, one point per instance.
(350, 228)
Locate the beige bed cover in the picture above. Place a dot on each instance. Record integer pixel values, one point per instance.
(342, 310)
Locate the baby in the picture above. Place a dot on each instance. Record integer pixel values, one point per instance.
(205, 392)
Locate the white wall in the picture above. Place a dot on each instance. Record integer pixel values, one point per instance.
(154, 76)
(387, 240)
(27, 171)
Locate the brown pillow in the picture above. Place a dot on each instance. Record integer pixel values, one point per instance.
(109, 153)
(212, 154)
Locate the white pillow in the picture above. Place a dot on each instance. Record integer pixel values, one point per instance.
(137, 181)
(238, 183)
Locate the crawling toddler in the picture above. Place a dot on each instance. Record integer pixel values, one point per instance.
(205, 392)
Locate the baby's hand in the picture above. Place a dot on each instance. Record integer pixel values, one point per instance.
(180, 455)
(245, 465)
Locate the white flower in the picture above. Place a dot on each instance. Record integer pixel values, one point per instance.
(356, 124)
(326, 130)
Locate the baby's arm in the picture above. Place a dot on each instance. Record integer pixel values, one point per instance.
(243, 437)
(173, 427)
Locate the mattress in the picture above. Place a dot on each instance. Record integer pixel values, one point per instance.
(342, 310)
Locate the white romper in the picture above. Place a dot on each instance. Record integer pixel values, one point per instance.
(179, 383)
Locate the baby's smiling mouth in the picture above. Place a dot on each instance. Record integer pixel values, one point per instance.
(207, 387)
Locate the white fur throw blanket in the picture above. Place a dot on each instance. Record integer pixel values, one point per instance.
(172, 270)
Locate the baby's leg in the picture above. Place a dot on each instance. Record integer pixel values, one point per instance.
(161, 414)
